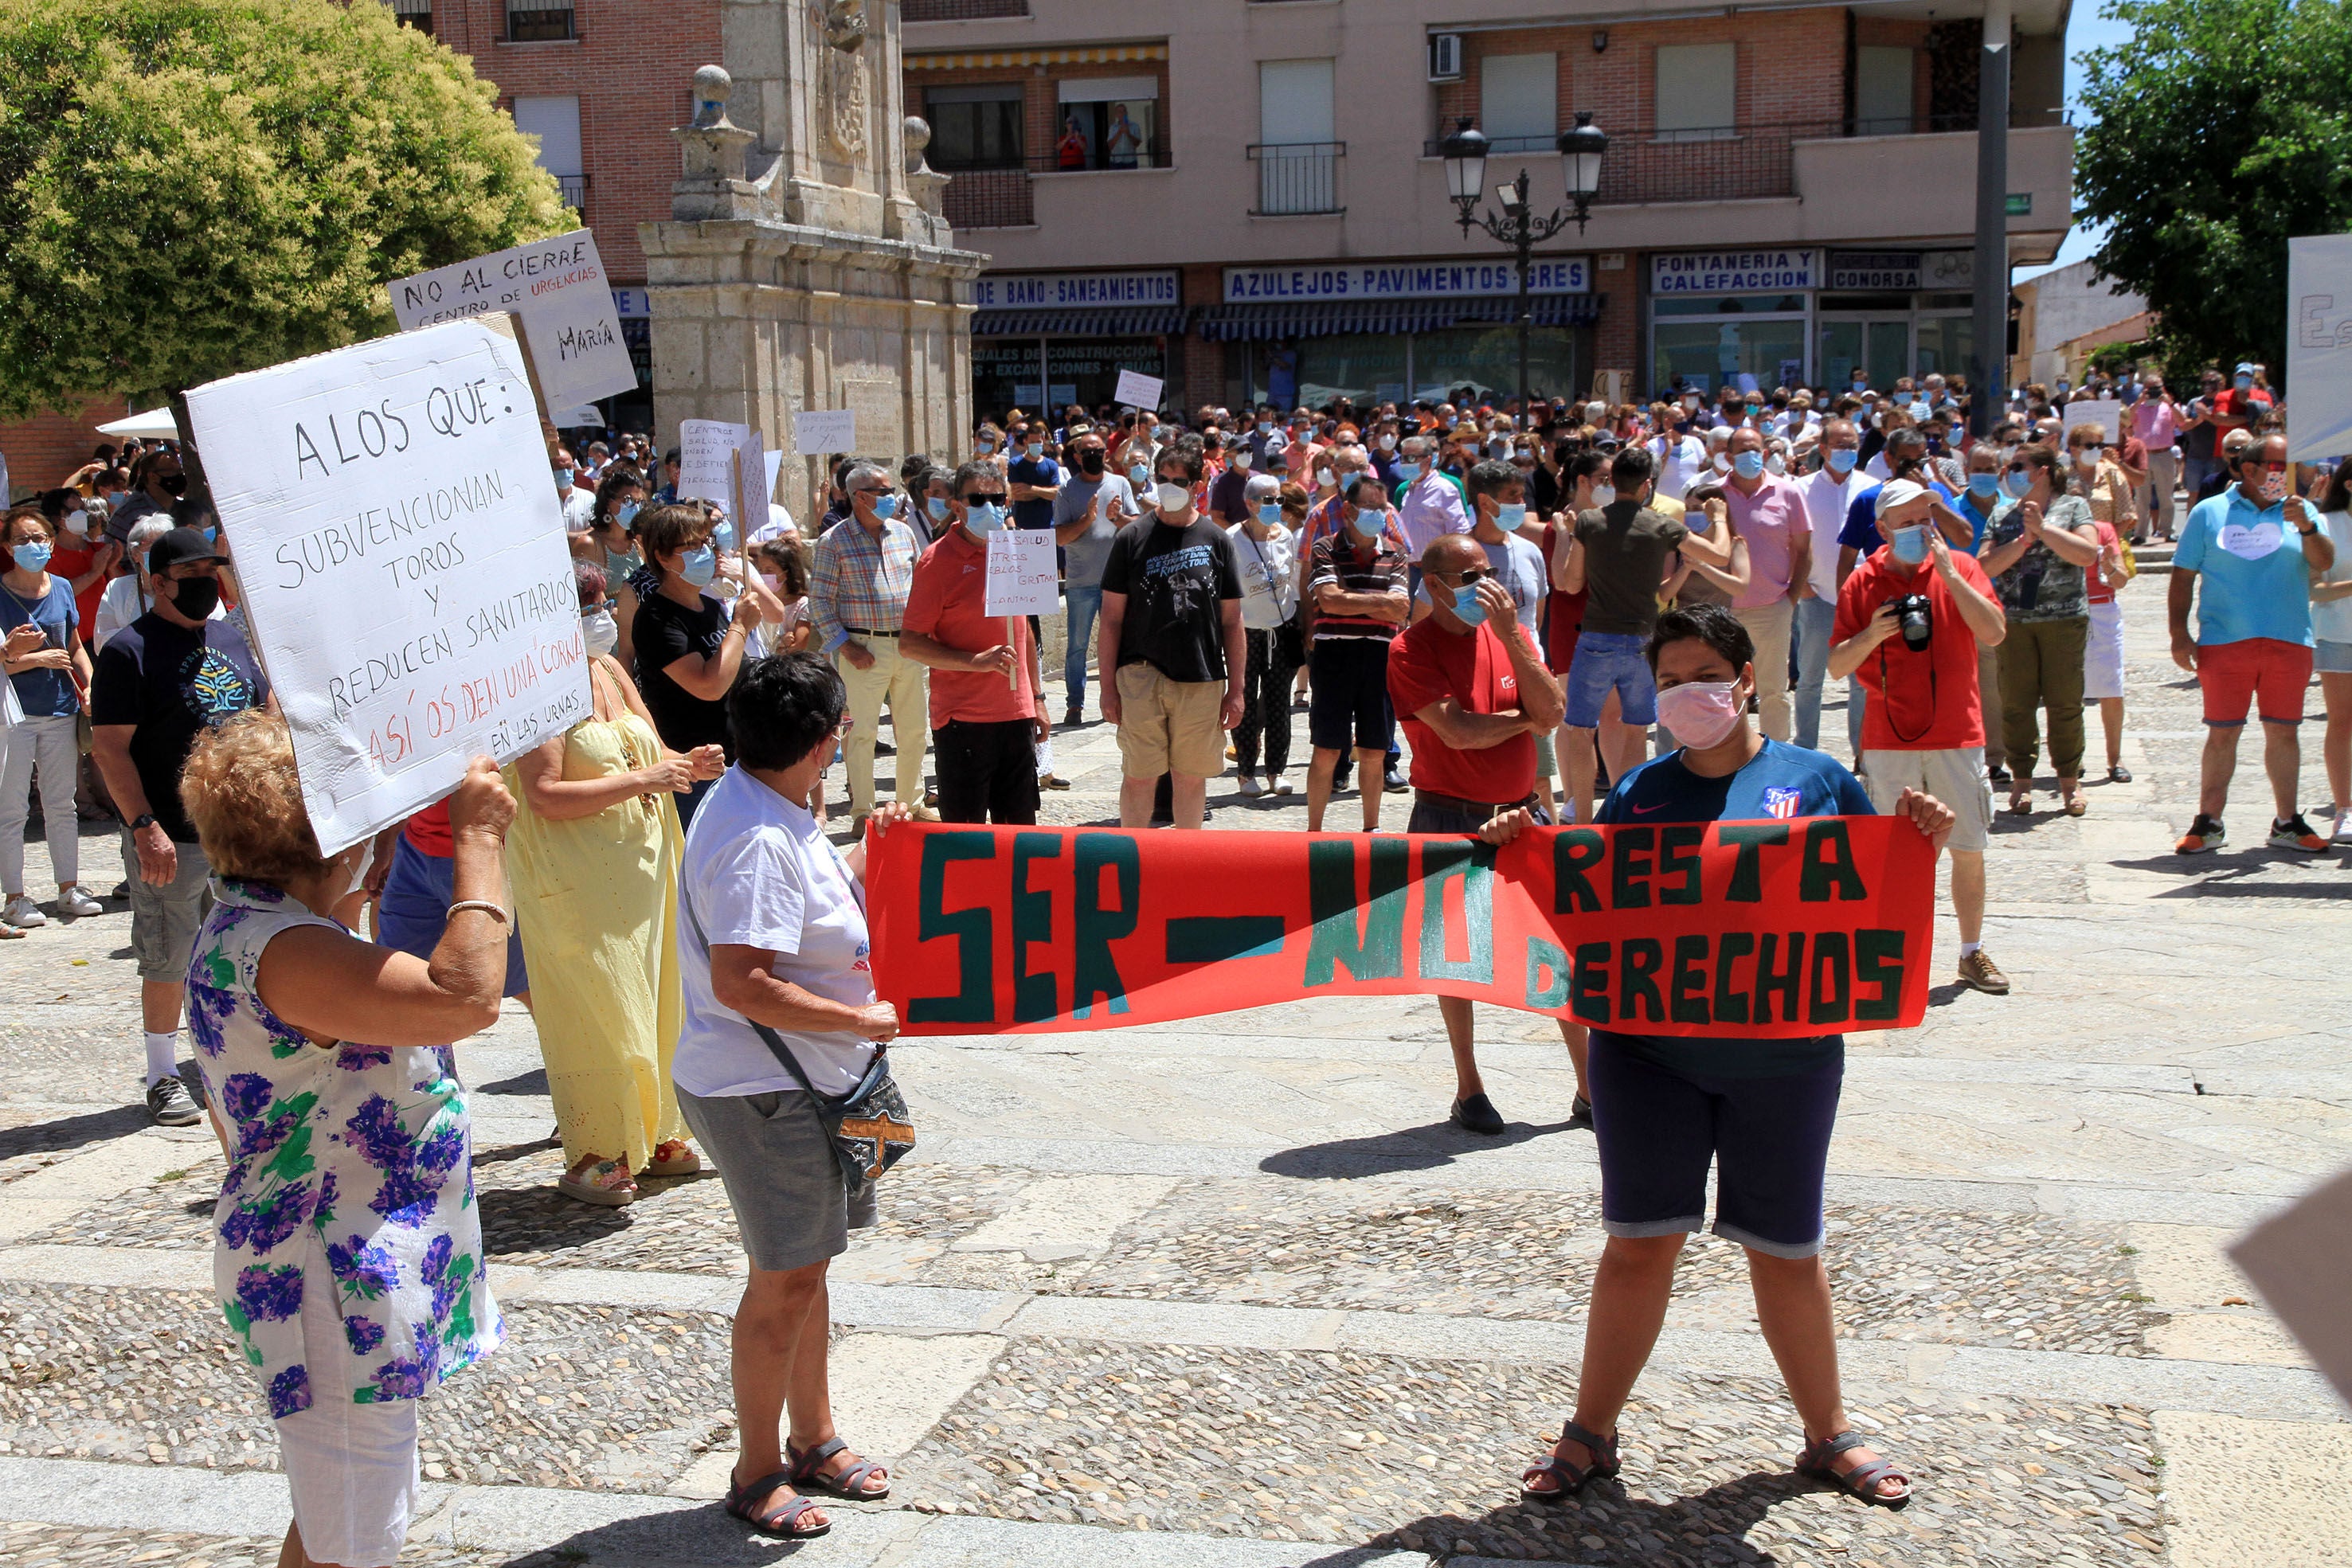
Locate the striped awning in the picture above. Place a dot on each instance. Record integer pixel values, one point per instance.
(1095, 321)
(1324, 318)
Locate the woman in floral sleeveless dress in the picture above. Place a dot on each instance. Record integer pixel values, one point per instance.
(349, 1255)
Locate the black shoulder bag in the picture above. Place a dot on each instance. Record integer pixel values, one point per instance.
(869, 1126)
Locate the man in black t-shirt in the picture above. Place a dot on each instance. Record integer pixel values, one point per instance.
(1171, 629)
(159, 683)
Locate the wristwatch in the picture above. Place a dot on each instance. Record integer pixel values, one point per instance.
(143, 819)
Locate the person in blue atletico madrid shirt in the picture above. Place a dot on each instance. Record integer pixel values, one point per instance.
(1759, 1111)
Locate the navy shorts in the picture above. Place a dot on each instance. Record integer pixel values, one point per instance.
(1659, 1128)
(1348, 704)
(414, 909)
(1606, 662)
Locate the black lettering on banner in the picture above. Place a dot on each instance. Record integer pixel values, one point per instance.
(1629, 867)
(1831, 1001)
(1878, 961)
(1678, 847)
(1640, 959)
(1730, 1003)
(1833, 870)
(973, 929)
(1574, 851)
(1686, 996)
(1032, 922)
(1747, 865)
(1588, 993)
(1784, 983)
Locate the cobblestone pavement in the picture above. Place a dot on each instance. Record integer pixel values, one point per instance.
(1231, 1292)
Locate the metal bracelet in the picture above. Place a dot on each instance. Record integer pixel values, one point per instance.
(484, 905)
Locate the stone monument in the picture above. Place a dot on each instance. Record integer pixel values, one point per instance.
(805, 265)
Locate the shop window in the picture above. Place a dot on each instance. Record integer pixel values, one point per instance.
(1367, 367)
(1697, 91)
(1882, 90)
(1518, 101)
(539, 21)
(1108, 123)
(1483, 363)
(1728, 351)
(974, 126)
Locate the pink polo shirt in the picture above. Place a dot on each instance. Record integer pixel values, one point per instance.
(1772, 520)
(2156, 424)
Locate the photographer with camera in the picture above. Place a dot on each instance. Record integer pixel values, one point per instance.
(1910, 620)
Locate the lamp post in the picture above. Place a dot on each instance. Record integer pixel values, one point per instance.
(1465, 152)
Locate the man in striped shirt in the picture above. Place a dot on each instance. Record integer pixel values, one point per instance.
(1358, 583)
(857, 599)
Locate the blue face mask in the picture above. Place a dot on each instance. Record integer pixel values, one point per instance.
(1748, 465)
(33, 556)
(1368, 521)
(1466, 608)
(212, 536)
(938, 508)
(1408, 472)
(1509, 514)
(699, 565)
(563, 480)
(1269, 512)
(2015, 486)
(1841, 459)
(2245, 383)
(983, 518)
(886, 507)
(1140, 475)
(1908, 545)
(1986, 485)
(722, 535)
(627, 514)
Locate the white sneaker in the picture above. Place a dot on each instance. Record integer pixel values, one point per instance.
(1282, 787)
(75, 903)
(1250, 785)
(2344, 830)
(23, 913)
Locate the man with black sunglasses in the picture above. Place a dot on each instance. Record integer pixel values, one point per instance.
(987, 702)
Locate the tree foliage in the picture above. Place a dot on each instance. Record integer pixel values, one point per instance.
(192, 188)
(2219, 129)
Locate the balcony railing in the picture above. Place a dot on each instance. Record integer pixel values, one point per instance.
(998, 197)
(576, 193)
(1297, 177)
(1727, 163)
(962, 10)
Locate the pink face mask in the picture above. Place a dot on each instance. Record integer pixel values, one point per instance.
(1701, 712)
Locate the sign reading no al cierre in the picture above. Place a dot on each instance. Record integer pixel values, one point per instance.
(1734, 271)
(1407, 280)
(1052, 290)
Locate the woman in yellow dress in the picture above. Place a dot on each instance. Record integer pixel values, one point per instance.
(593, 855)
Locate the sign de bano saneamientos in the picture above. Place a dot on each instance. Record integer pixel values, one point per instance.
(1058, 290)
(1765, 271)
(1407, 280)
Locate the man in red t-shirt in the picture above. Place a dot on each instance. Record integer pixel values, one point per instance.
(988, 715)
(1473, 694)
(1922, 726)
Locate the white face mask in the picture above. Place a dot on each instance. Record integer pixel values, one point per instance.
(1604, 495)
(1776, 464)
(1324, 478)
(77, 523)
(360, 868)
(1173, 496)
(599, 630)
(1387, 440)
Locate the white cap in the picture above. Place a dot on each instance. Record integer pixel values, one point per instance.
(1896, 492)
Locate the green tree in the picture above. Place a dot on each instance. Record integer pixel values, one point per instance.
(2221, 129)
(192, 188)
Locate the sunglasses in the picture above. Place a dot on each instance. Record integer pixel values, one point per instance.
(977, 499)
(1472, 578)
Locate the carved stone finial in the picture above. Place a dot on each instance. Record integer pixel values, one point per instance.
(712, 88)
(918, 132)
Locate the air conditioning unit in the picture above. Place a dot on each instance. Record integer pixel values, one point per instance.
(1445, 56)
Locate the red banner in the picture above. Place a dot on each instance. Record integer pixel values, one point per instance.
(1808, 926)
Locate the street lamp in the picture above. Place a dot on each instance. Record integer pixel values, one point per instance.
(1465, 152)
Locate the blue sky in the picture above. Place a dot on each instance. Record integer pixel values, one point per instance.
(2085, 29)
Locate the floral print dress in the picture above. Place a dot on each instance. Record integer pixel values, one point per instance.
(348, 1260)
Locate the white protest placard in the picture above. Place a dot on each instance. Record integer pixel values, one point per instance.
(2319, 347)
(708, 455)
(822, 432)
(2106, 414)
(558, 290)
(1021, 573)
(402, 560)
(1137, 390)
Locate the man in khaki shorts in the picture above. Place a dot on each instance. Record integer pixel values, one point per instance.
(1171, 629)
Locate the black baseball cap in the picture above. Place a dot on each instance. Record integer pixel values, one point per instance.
(178, 547)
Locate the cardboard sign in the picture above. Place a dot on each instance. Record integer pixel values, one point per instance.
(402, 560)
(822, 432)
(1137, 390)
(1021, 573)
(2319, 347)
(2108, 416)
(557, 289)
(722, 462)
(1780, 929)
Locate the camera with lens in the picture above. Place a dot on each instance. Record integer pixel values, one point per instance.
(1914, 618)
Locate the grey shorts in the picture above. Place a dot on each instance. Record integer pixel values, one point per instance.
(2332, 658)
(165, 916)
(792, 1203)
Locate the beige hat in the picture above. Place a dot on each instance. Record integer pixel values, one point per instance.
(1897, 492)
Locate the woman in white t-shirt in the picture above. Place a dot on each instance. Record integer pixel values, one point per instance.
(127, 598)
(1265, 559)
(2331, 630)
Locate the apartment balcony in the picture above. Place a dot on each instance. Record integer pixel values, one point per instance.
(1298, 179)
(575, 188)
(1003, 196)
